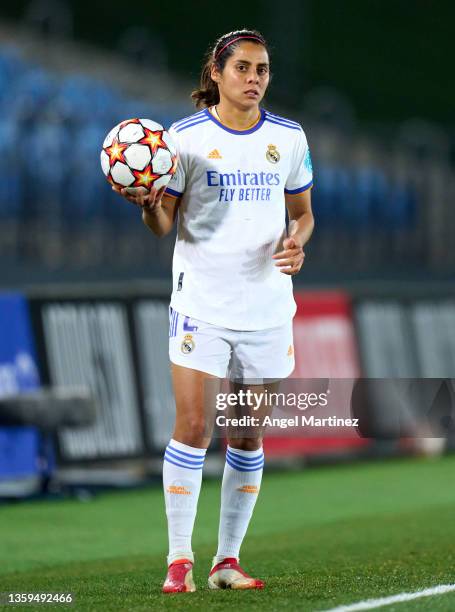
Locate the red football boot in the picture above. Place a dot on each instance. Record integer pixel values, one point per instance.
(229, 575)
(179, 577)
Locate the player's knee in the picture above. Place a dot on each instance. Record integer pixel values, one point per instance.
(247, 444)
(194, 432)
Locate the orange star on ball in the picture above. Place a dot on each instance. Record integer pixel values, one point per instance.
(115, 152)
(153, 139)
(144, 178)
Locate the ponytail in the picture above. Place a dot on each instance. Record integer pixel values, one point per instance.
(207, 94)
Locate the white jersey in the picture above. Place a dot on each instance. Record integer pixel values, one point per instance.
(231, 218)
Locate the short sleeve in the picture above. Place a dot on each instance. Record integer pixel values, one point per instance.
(301, 175)
(176, 185)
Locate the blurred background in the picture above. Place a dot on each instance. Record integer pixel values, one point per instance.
(85, 286)
(370, 86)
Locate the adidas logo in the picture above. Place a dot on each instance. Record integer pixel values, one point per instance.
(290, 350)
(215, 154)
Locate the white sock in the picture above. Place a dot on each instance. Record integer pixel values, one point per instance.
(241, 482)
(182, 477)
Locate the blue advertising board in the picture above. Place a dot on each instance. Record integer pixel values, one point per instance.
(19, 446)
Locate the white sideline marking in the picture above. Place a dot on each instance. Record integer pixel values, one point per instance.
(369, 604)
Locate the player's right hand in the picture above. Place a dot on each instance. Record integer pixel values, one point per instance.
(149, 201)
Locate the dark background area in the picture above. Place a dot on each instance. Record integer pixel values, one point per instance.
(369, 80)
(392, 59)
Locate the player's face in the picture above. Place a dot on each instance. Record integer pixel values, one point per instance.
(245, 77)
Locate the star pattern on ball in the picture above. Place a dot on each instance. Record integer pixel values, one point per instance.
(153, 139)
(115, 152)
(144, 178)
(127, 122)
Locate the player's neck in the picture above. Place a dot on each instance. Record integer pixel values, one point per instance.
(235, 118)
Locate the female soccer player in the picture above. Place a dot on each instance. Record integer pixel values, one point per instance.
(232, 304)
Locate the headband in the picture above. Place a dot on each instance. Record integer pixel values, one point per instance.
(218, 53)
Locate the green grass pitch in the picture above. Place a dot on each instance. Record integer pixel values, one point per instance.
(320, 537)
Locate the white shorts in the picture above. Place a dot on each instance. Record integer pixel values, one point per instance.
(226, 353)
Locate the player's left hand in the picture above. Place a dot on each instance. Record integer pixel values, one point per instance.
(291, 258)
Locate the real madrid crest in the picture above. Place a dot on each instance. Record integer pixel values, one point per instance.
(272, 154)
(187, 345)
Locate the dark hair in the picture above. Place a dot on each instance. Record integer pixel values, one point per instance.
(208, 94)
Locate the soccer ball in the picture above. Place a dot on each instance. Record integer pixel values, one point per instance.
(139, 154)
